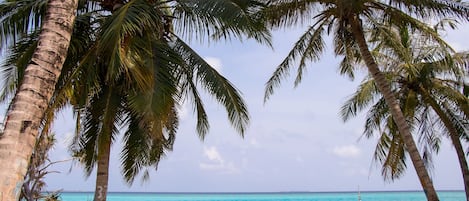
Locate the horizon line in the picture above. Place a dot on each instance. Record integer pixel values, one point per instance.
(255, 192)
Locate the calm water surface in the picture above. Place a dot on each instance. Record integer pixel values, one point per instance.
(365, 196)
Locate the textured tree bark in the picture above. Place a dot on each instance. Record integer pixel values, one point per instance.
(102, 174)
(30, 102)
(396, 112)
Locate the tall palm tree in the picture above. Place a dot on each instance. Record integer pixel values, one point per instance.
(143, 79)
(127, 66)
(347, 20)
(428, 83)
(30, 102)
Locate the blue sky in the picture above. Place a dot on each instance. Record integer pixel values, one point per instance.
(295, 142)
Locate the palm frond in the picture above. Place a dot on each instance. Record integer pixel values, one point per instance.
(145, 142)
(434, 8)
(198, 106)
(394, 166)
(376, 117)
(134, 154)
(282, 13)
(361, 99)
(19, 18)
(454, 96)
(459, 122)
(390, 153)
(130, 21)
(17, 58)
(216, 85)
(307, 48)
(399, 18)
(221, 19)
(99, 123)
(345, 46)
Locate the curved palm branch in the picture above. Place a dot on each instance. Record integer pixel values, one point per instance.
(216, 85)
(309, 47)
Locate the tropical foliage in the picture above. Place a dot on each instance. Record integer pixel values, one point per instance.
(37, 84)
(428, 79)
(128, 67)
(34, 185)
(347, 22)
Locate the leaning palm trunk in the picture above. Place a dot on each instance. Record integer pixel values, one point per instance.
(462, 159)
(102, 174)
(29, 104)
(461, 156)
(396, 112)
(454, 136)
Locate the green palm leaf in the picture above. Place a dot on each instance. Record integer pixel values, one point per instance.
(221, 19)
(19, 18)
(309, 47)
(216, 85)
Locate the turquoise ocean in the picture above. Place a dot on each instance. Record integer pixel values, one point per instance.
(309, 196)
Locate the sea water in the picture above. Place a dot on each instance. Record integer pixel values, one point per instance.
(330, 196)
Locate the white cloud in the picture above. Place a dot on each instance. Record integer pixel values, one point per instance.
(217, 163)
(213, 154)
(215, 63)
(347, 151)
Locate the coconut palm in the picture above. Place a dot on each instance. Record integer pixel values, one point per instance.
(148, 106)
(347, 20)
(127, 66)
(30, 102)
(428, 83)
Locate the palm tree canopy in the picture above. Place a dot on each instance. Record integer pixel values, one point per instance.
(335, 18)
(128, 65)
(348, 21)
(416, 66)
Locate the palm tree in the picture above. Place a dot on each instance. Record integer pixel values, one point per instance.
(127, 66)
(347, 20)
(37, 86)
(428, 84)
(149, 114)
(157, 72)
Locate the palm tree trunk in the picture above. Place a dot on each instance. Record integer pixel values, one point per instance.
(30, 102)
(454, 136)
(462, 160)
(102, 174)
(403, 127)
